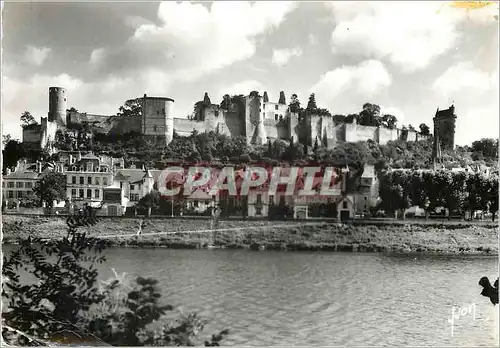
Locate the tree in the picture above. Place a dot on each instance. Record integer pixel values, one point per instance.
(339, 118)
(370, 115)
(389, 121)
(294, 103)
(6, 138)
(350, 118)
(27, 119)
(131, 108)
(487, 147)
(226, 102)
(51, 187)
(150, 201)
(12, 152)
(424, 129)
(72, 109)
(311, 104)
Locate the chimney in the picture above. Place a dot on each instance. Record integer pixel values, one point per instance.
(38, 166)
(70, 159)
(79, 156)
(8, 171)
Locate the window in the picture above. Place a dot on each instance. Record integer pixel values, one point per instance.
(276, 117)
(80, 193)
(365, 198)
(132, 187)
(89, 180)
(134, 197)
(97, 193)
(97, 181)
(19, 184)
(276, 107)
(105, 181)
(281, 118)
(73, 179)
(10, 194)
(28, 185)
(73, 169)
(82, 180)
(344, 205)
(264, 106)
(163, 111)
(216, 113)
(195, 203)
(89, 193)
(10, 184)
(271, 200)
(154, 128)
(157, 113)
(73, 192)
(121, 184)
(259, 199)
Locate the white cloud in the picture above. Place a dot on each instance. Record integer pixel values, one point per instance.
(36, 56)
(465, 76)
(97, 56)
(409, 34)
(281, 57)
(242, 87)
(365, 80)
(193, 40)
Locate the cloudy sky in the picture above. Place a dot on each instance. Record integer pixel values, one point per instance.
(410, 58)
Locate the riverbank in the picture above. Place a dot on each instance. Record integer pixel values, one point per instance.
(395, 236)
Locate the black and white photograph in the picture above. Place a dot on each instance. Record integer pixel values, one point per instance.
(250, 173)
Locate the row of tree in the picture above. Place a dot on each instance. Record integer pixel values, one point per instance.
(459, 192)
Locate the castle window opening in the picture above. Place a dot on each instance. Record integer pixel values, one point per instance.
(276, 117)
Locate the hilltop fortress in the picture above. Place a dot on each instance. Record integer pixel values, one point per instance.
(252, 116)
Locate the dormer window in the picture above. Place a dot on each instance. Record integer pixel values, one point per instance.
(276, 107)
(276, 117)
(89, 167)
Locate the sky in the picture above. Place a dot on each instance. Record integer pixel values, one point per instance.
(408, 57)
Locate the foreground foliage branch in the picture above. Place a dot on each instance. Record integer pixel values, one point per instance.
(52, 293)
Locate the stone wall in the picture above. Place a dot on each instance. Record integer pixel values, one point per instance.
(32, 134)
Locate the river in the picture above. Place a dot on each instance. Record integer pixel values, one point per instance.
(328, 299)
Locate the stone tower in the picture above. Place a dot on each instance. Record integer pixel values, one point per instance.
(57, 105)
(444, 127)
(157, 117)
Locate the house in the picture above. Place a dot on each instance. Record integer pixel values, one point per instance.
(86, 179)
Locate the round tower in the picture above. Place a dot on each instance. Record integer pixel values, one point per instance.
(57, 105)
(157, 117)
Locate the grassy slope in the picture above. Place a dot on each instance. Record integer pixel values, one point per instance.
(276, 235)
